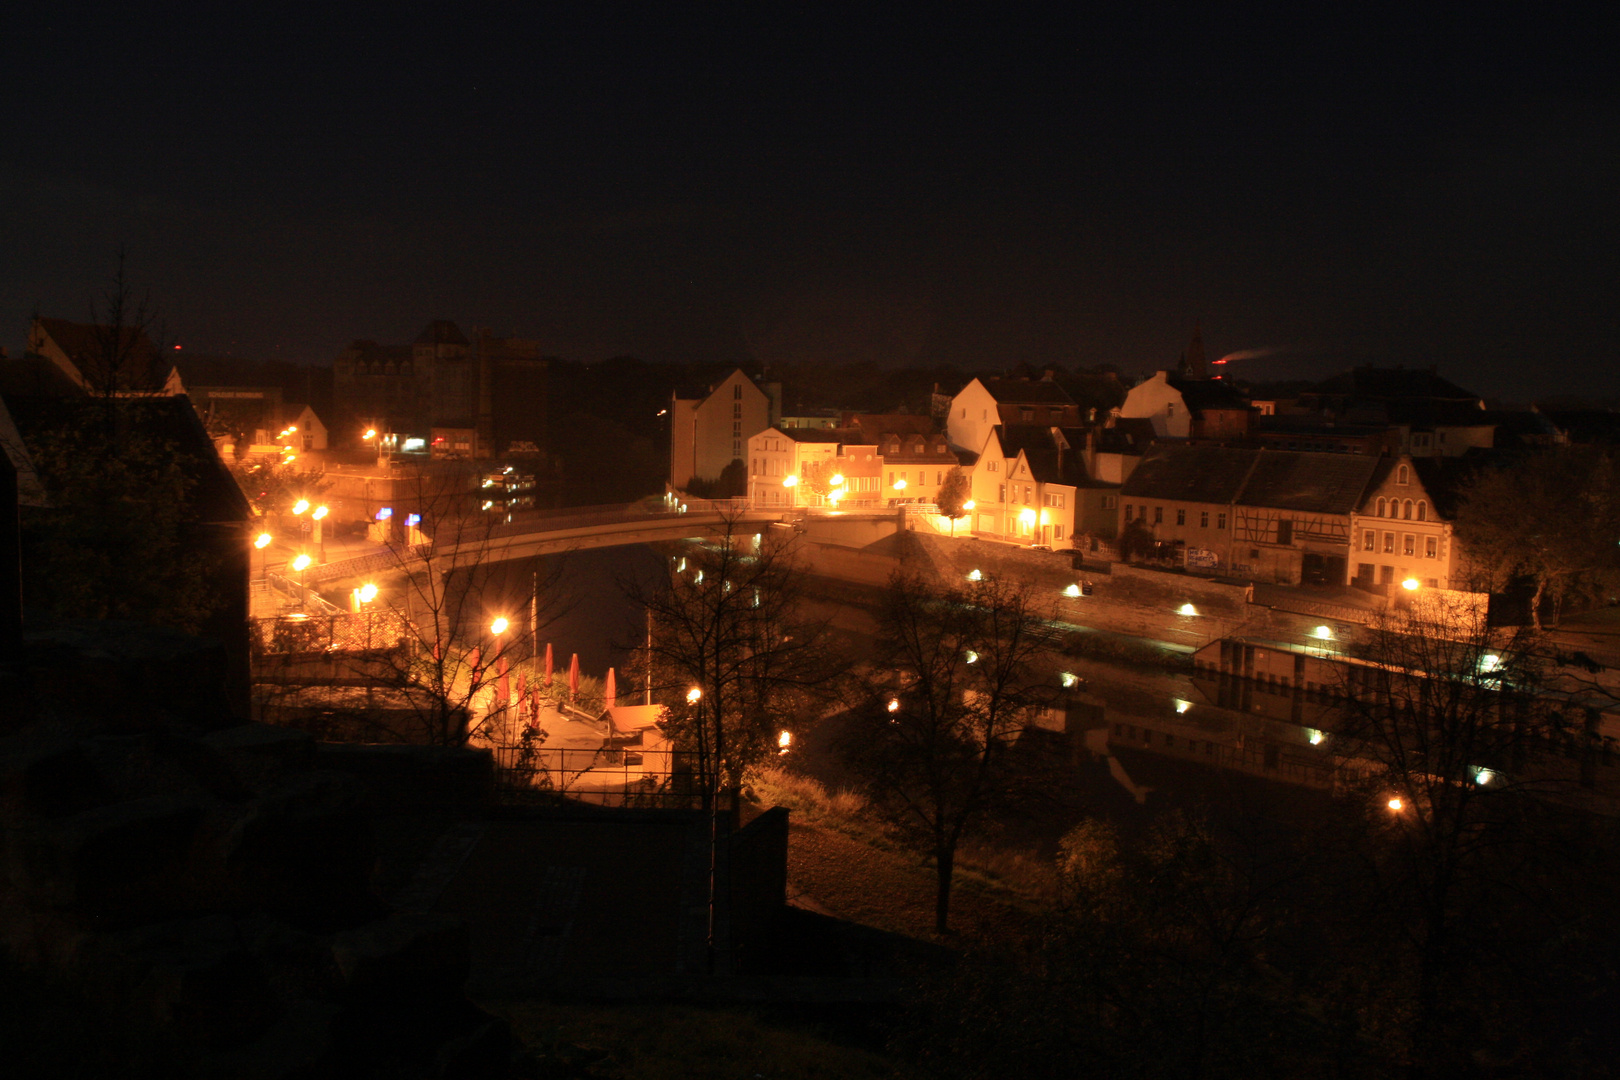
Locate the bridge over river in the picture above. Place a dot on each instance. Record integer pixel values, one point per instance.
(547, 532)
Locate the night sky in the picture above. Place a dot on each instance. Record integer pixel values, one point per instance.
(904, 187)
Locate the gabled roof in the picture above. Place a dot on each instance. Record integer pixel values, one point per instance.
(1025, 392)
(889, 423)
(813, 435)
(1127, 435)
(214, 496)
(1202, 395)
(1054, 454)
(1388, 383)
(1441, 479)
(1600, 426)
(92, 348)
(1209, 474)
(1310, 482)
(441, 332)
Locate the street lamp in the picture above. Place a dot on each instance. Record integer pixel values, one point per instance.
(498, 627)
(1411, 584)
(301, 564)
(319, 513)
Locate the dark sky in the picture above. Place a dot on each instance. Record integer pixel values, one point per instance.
(1374, 186)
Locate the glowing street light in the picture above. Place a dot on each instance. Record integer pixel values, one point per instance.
(693, 696)
(1323, 632)
(498, 627)
(1396, 804)
(1411, 584)
(300, 506)
(790, 480)
(836, 479)
(900, 484)
(371, 433)
(894, 705)
(784, 742)
(969, 504)
(320, 512)
(368, 593)
(1186, 609)
(263, 541)
(301, 564)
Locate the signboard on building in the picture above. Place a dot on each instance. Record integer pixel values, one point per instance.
(1202, 559)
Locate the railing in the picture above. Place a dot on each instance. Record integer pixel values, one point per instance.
(341, 632)
(392, 559)
(616, 776)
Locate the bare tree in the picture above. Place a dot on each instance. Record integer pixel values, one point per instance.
(729, 638)
(951, 687)
(125, 357)
(1458, 753)
(1552, 516)
(462, 628)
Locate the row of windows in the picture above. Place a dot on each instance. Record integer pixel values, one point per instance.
(922, 476)
(1431, 544)
(1395, 508)
(1158, 515)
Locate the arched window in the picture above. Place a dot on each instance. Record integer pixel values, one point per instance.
(1380, 507)
(1402, 475)
(1406, 511)
(1423, 510)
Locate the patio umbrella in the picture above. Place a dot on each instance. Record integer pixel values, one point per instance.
(504, 693)
(523, 685)
(573, 677)
(473, 658)
(548, 663)
(609, 694)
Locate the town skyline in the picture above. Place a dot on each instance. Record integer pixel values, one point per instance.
(780, 189)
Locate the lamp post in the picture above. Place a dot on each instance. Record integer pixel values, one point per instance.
(301, 564)
(502, 686)
(316, 516)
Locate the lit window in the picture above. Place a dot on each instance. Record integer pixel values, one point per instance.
(1431, 547)
(1408, 544)
(1369, 540)
(1389, 542)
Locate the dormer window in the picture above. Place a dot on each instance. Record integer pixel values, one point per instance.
(1403, 475)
